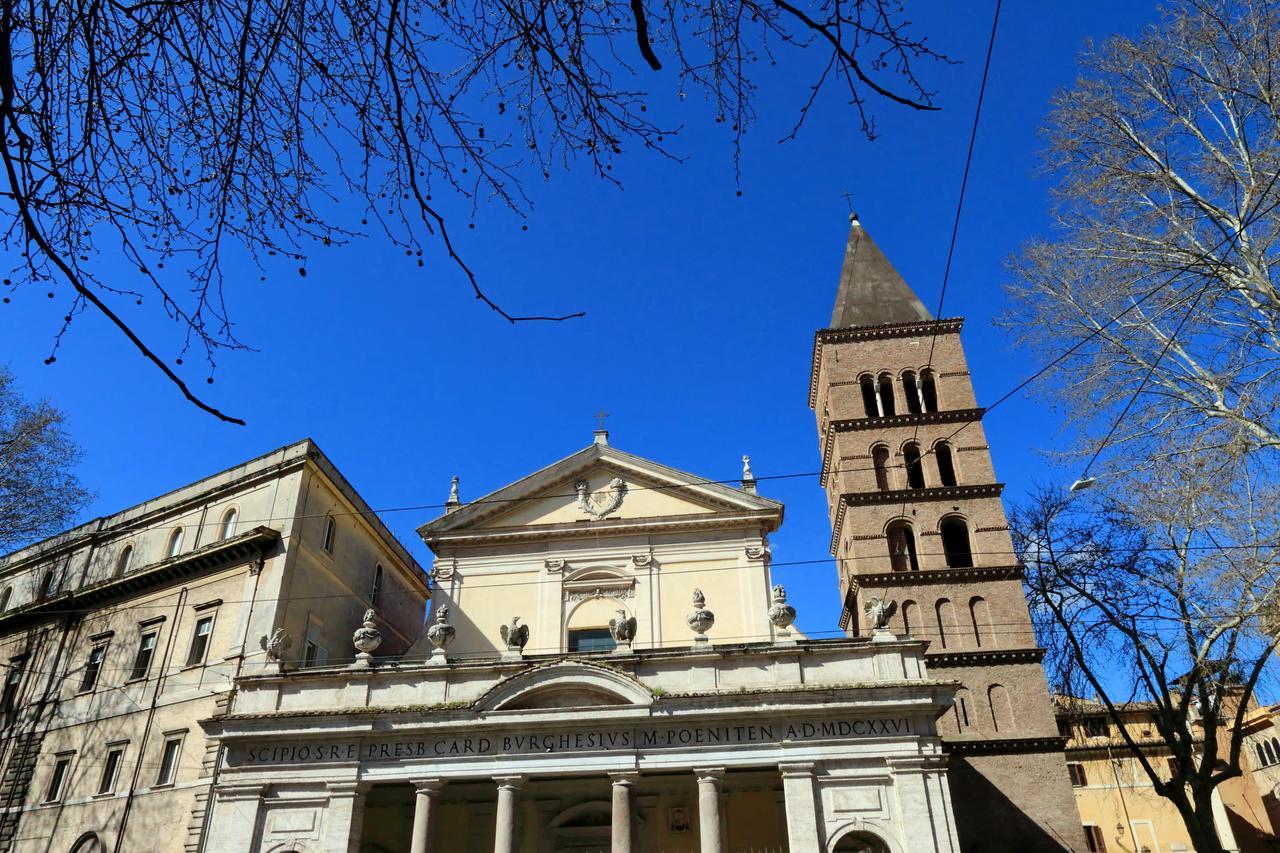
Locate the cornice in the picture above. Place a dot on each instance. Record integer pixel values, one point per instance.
(930, 576)
(870, 333)
(608, 526)
(1005, 746)
(252, 544)
(949, 416)
(935, 493)
(984, 657)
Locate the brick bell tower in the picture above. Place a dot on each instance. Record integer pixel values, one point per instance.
(916, 518)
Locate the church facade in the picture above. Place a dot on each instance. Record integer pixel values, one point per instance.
(601, 659)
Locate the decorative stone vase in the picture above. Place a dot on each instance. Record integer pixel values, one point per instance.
(781, 614)
(700, 619)
(441, 634)
(366, 639)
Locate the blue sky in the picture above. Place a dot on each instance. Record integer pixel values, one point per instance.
(701, 307)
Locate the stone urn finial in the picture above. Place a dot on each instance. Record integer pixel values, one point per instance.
(700, 618)
(441, 634)
(452, 503)
(781, 614)
(366, 639)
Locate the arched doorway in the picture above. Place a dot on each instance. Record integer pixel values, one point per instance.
(88, 843)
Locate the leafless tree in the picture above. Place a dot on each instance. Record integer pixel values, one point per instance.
(1165, 594)
(174, 138)
(1163, 268)
(39, 491)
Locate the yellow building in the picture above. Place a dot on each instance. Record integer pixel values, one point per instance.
(1119, 807)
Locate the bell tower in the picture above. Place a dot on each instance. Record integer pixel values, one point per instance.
(916, 519)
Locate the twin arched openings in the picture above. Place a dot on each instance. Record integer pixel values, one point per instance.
(1268, 752)
(919, 393)
(913, 465)
(979, 633)
(904, 555)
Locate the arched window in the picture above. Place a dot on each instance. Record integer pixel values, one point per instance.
(955, 542)
(886, 396)
(946, 614)
(1262, 755)
(928, 391)
(1274, 746)
(980, 617)
(946, 463)
(4, 598)
(175, 542)
(902, 547)
(46, 585)
(1001, 709)
(869, 403)
(910, 617)
(228, 528)
(88, 843)
(880, 459)
(123, 561)
(915, 471)
(376, 590)
(330, 533)
(911, 389)
(1270, 755)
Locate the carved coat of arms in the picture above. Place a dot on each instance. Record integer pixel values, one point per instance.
(601, 503)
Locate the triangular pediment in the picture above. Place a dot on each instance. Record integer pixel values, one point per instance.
(604, 486)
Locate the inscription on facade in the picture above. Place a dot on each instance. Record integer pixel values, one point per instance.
(512, 743)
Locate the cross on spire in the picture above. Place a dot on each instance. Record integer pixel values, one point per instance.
(600, 416)
(848, 199)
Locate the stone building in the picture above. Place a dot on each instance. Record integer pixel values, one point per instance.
(608, 668)
(917, 519)
(117, 637)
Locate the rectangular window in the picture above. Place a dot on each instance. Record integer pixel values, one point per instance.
(9, 700)
(1093, 836)
(1096, 727)
(142, 660)
(169, 760)
(1064, 727)
(592, 640)
(200, 640)
(1172, 764)
(111, 769)
(58, 781)
(1078, 777)
(314, 654)
(92, 667)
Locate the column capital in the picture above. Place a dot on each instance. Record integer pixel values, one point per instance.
(428, 786)
(709, 774)
(511, 783)
(624, 777)
(795, 769)
(347, 788)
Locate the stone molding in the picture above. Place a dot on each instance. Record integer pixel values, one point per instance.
(930, 576)
(915, 329)
(933, 493)
(1005, 746)
(985, 657)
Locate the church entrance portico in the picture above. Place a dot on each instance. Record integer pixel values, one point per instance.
(785, 760)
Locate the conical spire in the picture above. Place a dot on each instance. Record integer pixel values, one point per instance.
(871, 291)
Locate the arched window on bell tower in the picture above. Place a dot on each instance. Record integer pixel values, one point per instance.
(911, 390)
(880, 459)
(955, 542)
(886, 396)
(915, 471)
(902, 546)
(928, 391)
(946, 463)
(869, 402)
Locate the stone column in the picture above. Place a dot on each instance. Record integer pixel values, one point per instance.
(426, 811)
(624, 798)
(710, 780)
(343, 817)
(237, 808)
(802, 812)
(505, 831)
